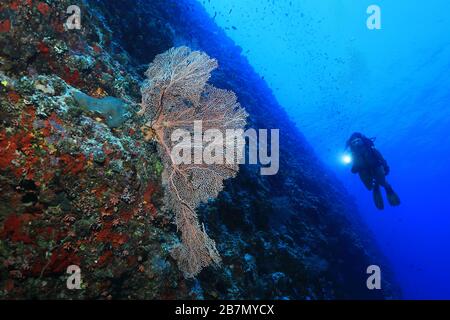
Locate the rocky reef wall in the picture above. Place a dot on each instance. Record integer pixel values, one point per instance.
(77, 190)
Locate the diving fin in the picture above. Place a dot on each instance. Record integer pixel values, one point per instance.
(392, 197)
(378, 198)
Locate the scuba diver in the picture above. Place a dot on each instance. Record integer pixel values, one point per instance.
(372, 168)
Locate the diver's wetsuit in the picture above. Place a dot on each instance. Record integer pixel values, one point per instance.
(372, 168)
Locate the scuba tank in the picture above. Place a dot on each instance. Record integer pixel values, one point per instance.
(364, 150)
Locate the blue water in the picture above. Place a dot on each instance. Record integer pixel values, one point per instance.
(334, 76)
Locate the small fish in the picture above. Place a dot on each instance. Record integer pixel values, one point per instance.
(234, 28)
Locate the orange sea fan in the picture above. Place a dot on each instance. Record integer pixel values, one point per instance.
(175, 96)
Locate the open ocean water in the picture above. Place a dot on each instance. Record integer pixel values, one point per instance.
(335, 76)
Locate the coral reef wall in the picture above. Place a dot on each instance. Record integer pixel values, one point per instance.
(76, 189)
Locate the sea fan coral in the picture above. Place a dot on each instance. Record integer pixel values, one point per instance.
(176, 96)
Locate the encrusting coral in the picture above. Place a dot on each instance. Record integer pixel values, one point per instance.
(175, 96)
